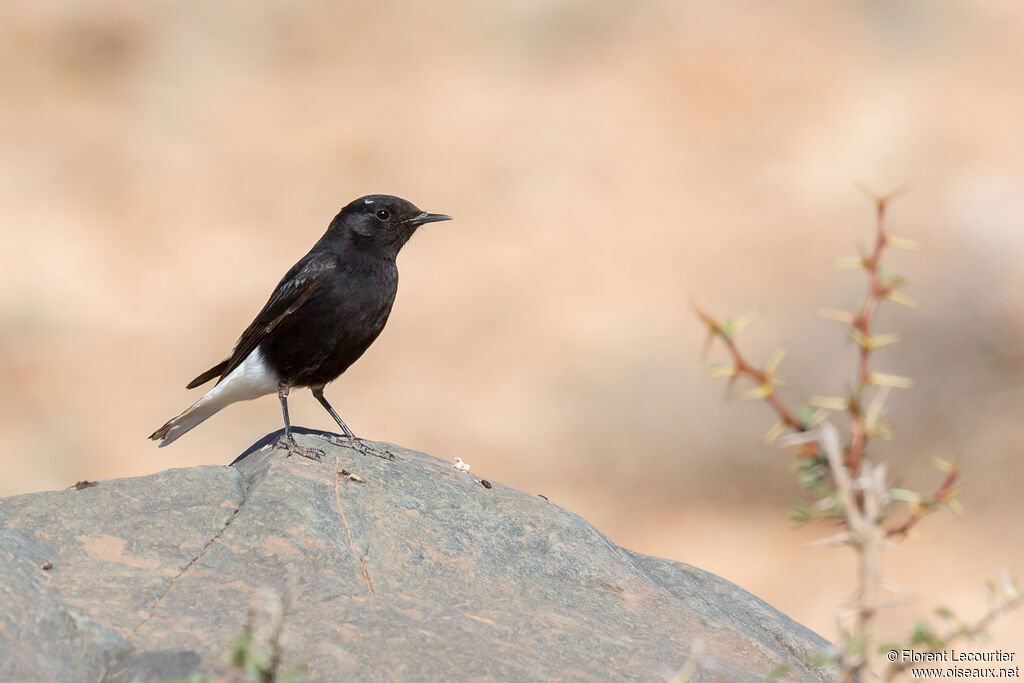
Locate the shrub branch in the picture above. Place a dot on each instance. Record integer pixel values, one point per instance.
(849, 487)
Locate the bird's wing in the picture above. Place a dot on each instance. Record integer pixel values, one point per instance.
(291, 293)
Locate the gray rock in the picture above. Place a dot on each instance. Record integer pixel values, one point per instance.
(416, 572)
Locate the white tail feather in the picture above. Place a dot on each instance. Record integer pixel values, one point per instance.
(252, 379)
(192, 417)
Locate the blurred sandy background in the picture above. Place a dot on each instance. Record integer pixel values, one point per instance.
(162, 164)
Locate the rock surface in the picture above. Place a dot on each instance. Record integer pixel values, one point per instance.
(417, 571)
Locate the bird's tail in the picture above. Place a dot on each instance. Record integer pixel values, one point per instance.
(200, 411)
(251, 379)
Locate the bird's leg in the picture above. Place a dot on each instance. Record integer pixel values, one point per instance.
(350, 438)
(288, 442)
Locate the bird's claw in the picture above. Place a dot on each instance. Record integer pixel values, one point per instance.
(357, 444)
(289, 444)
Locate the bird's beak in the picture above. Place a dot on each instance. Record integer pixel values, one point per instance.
(425, 217)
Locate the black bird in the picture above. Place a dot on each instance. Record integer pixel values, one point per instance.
(322, 316)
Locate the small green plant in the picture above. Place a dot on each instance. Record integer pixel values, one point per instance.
(256, 652)
(842, 483)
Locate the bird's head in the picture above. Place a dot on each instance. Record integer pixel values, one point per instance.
(380, 221)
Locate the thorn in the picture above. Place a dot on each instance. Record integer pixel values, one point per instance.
(864, 188)
(1009, 588)
(743, 322)
(880, 340)
(905, 495)
(774, 361)
(832, 541)
(875, 342)
(881, 379)
(702, 314)
(730, 386)
(716, 370)
(859, 337)
(837, 315)
(891, 281)
(898, 297)
(763, 391)
(709, 339)
(882, 200)
(874, 411)
(777, 430)
(829, 402)
(898, 192)
(896, 588)
(849, 262)
(901, 243)
(798, 439)
(814, 418)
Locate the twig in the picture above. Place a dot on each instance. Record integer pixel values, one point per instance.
(741, 367)
(865, 536)
(851, 488)
(946, 493)
(877, 291)
(1011, 601)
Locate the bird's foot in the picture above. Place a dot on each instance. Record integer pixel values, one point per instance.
(293, 448)
(358, 444)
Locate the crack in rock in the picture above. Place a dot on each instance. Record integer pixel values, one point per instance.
(170, 584)
(348, 530)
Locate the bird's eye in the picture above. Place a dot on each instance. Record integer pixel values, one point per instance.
(383, 214)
